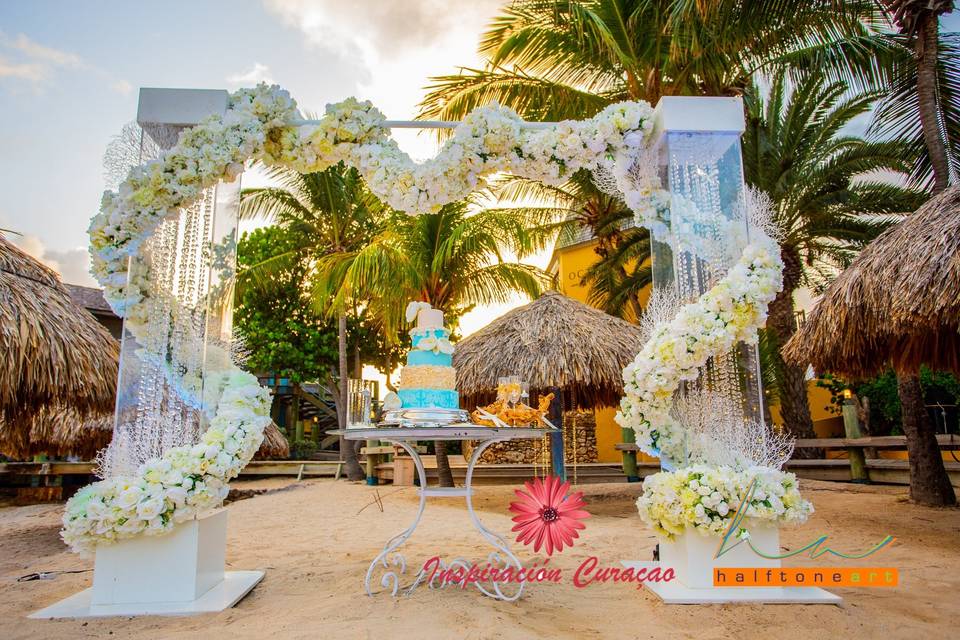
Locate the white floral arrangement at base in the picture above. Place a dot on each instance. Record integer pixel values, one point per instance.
(705, 498)
(184, 483)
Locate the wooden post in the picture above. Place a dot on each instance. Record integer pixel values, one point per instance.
(372, 460)
(858, 462)
(629, 458)
(556, 437)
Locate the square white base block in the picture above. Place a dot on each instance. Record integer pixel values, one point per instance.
(179, 573)
(691, 556)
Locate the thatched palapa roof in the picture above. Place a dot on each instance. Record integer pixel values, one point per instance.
(897, 304)
(56, 357)
(57, 432)
(554, 341)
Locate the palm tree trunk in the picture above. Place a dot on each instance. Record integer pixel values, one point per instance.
(929, 482)
(791, 379)
(347, 452)
(925, 51)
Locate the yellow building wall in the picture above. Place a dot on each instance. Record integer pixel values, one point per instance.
(825, 424)
(608, 435)
(572, 264)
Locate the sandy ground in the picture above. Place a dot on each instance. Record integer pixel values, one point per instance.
(315, 539)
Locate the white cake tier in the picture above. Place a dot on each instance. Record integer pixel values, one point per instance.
(430, 319)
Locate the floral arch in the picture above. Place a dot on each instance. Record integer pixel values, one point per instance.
(263, 124)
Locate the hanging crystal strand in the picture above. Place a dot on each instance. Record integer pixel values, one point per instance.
(203, 293)
(573, 428)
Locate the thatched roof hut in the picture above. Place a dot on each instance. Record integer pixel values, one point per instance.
(897, 304)
(58, 432)
(554, 341)
(56, 356)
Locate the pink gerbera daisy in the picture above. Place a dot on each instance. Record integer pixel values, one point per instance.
(547, 516)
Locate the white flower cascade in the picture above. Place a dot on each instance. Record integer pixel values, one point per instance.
(262, 124)
(729, 313)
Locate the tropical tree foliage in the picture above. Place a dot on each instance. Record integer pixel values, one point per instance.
(327, 213)
(827, 196)
(281, 331)
(619, 280)
(552, 60)
(452, 259)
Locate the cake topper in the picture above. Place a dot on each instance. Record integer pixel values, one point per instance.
(414, 307)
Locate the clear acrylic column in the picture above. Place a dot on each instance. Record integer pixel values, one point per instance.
(191, 261)
(698, 143)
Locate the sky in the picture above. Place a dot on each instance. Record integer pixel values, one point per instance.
(69, 74)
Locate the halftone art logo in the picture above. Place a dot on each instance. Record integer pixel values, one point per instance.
(736, 535)
(547, 515)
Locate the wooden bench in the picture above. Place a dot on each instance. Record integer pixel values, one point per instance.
(882, 470)
(945, 440)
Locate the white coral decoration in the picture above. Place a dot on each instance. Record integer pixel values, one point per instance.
(260, 124)
(719, 434)
(706, 497)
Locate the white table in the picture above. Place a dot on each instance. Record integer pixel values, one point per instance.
(392, 563)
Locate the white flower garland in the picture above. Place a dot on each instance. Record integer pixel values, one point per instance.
(729, 313)
(705, 498)
(260, 124)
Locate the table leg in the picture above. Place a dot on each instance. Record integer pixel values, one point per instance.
(495, 559)
(394, 566)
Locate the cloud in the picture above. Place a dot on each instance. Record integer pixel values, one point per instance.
(388, 27)
(34, 73)
(122, 87)
(37, 64)
(256, 74)
(396, 46)
(36, 51)
(73, 265)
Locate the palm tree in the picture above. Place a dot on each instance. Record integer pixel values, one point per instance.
(924, 103)
(331, 213)
(451, 259)
(795, 151)
(618, 280)
(926, 90)
(552, 60)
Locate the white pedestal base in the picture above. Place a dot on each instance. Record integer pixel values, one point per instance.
(227, 593)
(691, 555)
(675, 592)
(175, 574)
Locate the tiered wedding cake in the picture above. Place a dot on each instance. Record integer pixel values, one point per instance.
(428, 380)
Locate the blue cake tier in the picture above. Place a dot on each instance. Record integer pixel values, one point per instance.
(435, 333)
(415, 358)
(429, 398)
